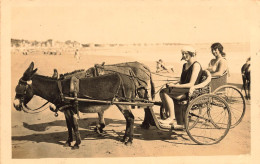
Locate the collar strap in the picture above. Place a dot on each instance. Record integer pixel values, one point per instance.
(26, 82)
(23, 81)
(60, 89)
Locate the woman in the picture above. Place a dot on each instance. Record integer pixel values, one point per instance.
(190, 76)
(218, 66)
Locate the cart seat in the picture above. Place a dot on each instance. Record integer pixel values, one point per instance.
(202, 87)
(217, 81)
(199, 89)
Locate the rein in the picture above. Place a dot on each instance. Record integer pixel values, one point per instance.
(161, 75)
(33, 111)
(36, 108)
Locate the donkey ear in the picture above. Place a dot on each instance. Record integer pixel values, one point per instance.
(31, 65)
(30, 68)
(103, 64)
(34, 71)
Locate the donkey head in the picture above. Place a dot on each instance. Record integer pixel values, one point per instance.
(97, 70)
(24, 91)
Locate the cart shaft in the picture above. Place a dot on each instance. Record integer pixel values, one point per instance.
(149, 103)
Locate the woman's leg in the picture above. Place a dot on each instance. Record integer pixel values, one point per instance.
(179, 111)
(167, 103)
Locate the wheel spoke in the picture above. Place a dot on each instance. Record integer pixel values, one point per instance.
(235, 100)
(210, 124)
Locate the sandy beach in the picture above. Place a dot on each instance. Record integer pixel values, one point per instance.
(42, 135)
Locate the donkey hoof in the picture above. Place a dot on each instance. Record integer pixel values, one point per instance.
(128, 143)
(75, 147)
(145, 126)
(98, 130)
(125, 139)
(67, 144)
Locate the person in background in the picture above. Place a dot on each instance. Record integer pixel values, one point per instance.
(162, 67)
(218, 66)
(77, 55)
(55, 74)
(246, 77)
(173, 93)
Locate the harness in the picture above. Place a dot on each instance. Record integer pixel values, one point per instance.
(75, 92)
(74, 89)
(22, 90)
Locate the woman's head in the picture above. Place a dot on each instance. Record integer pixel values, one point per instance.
(188, 52)
(216, 49)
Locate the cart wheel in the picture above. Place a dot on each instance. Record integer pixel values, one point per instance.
(207, 119)
(163, 113)
(235, 100)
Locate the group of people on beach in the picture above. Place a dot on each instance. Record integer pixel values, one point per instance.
(190, 76)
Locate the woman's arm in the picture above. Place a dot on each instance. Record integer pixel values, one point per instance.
(194, 76)
(210, 65)
(222, 67)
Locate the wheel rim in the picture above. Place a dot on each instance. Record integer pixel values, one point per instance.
(210, 123)
(235, 101)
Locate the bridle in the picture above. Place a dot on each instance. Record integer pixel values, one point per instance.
(22, 91)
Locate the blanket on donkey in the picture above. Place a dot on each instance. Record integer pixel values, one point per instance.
(139, 72)
(105, 87)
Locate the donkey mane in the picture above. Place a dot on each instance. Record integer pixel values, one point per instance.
(76, 71)
(45, 77)
(122, 64)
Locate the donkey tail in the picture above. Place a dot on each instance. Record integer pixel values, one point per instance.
(151, 81)
(152, 87)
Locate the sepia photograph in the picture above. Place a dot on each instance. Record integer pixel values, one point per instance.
(142, 80)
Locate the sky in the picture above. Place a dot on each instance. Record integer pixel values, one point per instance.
(136, 21)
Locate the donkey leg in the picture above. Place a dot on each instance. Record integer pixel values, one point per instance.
(129, 132)
(68, 122)
(99, 128)
(148, 118)
(70, 138)
(75, 127)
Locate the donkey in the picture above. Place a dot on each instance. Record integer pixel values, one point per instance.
(107, 87)
(133, 69)
(81, 73)
(245, 71)
(136, 70)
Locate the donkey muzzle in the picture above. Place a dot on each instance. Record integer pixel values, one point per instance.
(17, 104)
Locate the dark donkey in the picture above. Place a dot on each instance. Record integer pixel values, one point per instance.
(108, 87)
(143, 77)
